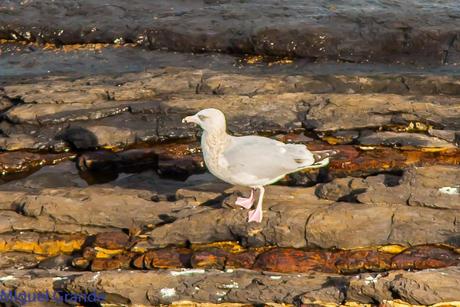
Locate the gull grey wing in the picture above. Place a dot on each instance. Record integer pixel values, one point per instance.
(264, 158)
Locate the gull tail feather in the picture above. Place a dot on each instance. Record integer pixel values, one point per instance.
(322, 158)
(323, 154)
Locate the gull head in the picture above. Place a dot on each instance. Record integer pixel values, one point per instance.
(208, 119)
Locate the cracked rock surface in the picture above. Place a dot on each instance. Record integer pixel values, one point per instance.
(243, 286)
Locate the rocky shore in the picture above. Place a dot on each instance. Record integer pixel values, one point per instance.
(103, 189)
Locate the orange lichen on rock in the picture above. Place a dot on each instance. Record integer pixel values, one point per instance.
(229, 246)
(107, 253)
(269, 60)
(49, 247)
(253, 59)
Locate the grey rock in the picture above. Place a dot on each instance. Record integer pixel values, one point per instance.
(432, 186)
(402, 139)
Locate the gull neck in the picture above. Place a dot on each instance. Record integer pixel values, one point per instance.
(215, 137)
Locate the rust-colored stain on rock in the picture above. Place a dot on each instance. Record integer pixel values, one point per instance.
(220, 255)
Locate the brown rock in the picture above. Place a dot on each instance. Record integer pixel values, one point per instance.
(132, 159)
(89, 252)
(422, 257)
(138, 262)
(290, 260)
(111, 240)
(5, 103)
(165, 258)
(121, 261)
(210, 259)
(243, 260)
(351, 261)
(80, 263)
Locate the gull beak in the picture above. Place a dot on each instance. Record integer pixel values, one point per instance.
(190, 119)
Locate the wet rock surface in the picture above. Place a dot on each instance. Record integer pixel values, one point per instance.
(104, 189)
(377, 32)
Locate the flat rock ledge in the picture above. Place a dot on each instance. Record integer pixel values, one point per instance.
(409, 32)
(378, 210)
(59, 113)
(424, 287)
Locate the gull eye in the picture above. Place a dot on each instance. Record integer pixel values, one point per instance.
(202, 117)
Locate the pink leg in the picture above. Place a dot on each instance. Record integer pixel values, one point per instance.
(256, 215)
(246, 202)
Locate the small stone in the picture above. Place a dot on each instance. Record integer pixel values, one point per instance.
(165, 258)
(111, 240)
(81, 263)
(121, 261)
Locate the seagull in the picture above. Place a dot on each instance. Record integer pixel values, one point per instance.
(250, 161)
